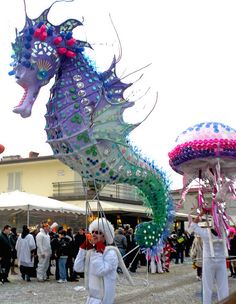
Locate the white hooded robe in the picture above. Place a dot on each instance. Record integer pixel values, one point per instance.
(100, 274)
(214, 268)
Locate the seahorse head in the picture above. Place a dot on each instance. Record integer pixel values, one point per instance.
(39, 49)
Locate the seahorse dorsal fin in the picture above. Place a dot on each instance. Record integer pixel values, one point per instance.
(66, 26)
(42, 17)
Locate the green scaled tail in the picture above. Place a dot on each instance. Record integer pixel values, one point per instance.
(128, 167)
(153, 190)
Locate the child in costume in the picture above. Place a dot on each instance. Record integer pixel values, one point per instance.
(99, 262)
(168, 249)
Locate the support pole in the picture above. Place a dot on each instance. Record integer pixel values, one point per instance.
(28, 216)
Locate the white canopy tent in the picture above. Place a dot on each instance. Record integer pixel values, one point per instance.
(17, 202)
(117, 207)
(108, 206)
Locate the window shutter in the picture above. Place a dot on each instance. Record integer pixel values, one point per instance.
(10, 181)
(14, 181)
(18, 181)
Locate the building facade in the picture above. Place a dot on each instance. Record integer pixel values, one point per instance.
(47, 176)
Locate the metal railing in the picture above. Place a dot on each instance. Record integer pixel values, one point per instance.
(76, 189)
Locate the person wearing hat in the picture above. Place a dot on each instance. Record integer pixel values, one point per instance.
(99, 262)
(214, 261)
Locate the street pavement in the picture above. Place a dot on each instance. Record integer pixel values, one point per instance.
(179, 286)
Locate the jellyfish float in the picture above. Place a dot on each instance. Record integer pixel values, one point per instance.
(206, 154)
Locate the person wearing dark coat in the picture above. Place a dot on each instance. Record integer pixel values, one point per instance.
(71, 275)
(54, 246)
(189, 237)
(62, 254)
(131, 260)
(180, 247)
(5, 252)
(34, 272)
(232, 252)
(13, 238)
(79, 239)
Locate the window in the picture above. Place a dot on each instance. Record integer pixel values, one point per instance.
(14, 181)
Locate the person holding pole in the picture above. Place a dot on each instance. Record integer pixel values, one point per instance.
(99, 262)
(214, 261)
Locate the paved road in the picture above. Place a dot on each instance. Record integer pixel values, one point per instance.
(180, 286)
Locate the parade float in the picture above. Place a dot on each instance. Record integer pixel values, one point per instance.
(205, 155)
(84, 119)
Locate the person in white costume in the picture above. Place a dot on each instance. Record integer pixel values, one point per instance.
(99, 263)
(214, 262)
(24, 247)
(44, 251)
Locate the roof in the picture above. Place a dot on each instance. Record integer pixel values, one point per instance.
(14, 160)
(17, 200)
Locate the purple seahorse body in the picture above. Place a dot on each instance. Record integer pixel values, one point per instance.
(77, 114)
(84, 119)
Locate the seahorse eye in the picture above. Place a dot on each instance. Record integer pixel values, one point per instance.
(42, 74)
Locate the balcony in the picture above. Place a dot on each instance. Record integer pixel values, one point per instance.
(77, 191)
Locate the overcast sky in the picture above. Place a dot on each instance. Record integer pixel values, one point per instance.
(191, 46)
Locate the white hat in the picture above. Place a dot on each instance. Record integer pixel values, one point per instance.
(54, 225)
(103, 225)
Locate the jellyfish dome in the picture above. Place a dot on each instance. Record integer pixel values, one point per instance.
(203, 146)
(206, 154)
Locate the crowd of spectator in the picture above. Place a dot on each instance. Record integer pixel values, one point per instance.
(35, 251)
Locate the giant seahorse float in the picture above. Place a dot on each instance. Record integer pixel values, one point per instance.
(84, 119)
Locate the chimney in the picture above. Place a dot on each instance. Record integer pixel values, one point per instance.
(33, 154)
